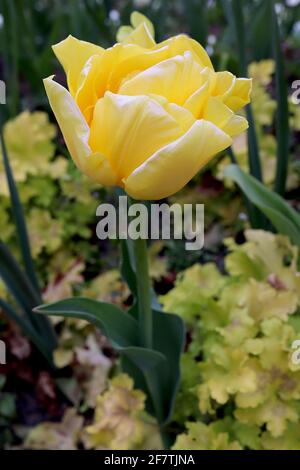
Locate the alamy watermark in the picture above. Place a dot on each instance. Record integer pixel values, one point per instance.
(296, 353)
(152, 221)
(296, 94)
(2, 353)
(2, 92)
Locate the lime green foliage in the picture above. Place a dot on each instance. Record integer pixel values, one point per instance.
(243, 327)
(207, 437)
(120, 421)
(29, 144)
(59, 204)
(263, 104)
(108, 287)
(56, 436)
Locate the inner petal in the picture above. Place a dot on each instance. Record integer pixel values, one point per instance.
(176, 79)
(128, 130)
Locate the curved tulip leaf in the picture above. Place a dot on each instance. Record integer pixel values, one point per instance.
(155, 371)
(284, 219)
(119, 327)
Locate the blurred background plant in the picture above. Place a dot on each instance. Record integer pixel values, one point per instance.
(232, 347)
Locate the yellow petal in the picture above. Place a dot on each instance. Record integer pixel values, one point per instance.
(86, 95)
(222, 116)
(176, 79)
(96, 75)
(236, 125)
(73, 54)
(141, 32)
(135, 62)
(224, 84)
(180, 44)
(76, 134)
(140, 36)
(123, 33)
(182, 115)
(137, 18)
(197, 102)
(130, 129)
(217, 112)
(240, 94)
(173, 166)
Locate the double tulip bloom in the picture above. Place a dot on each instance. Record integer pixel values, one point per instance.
(145, 116)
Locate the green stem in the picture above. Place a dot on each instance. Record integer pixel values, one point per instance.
(144, 292)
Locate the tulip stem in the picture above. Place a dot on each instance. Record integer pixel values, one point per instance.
(144, 292)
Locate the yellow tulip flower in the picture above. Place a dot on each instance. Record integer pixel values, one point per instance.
(145, 116)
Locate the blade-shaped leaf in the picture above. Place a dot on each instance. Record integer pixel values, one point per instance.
(260, 30)
(282, 115)
(27, 298)
(235, 15)
(20, 221)
(27, 329)
(120, 328)
(285, 219)
(16, 281)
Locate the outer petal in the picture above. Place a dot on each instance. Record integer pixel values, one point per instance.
(173, 166)
(76, 134)
(217, 112)
(222, 116)
(224, 83)
(240, 94)
(73, 54)
(236, 125)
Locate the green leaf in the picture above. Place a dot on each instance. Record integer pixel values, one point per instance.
(119, 327)
(282, 114)
(19, 219)
(161, 383)
(28, 330)
(127, 265)
(16, 281)
(169, 339)
(234, 13)
(27, 298)
(154, 371)
(285, 219)
(196, 14)
(260, 30)
(7, 405)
